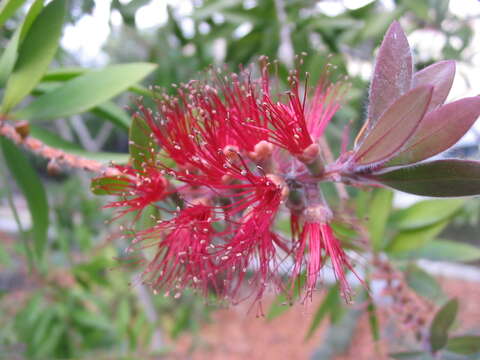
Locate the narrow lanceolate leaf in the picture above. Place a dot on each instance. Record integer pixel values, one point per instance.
(440, 75)
(440, 178)
(141, 146)
(32, 188)
(8, 8)
(85, 91)
(425, 213)
(115, 114)
(394, 127)
(379, 212)
(439, 130)
(441, 324)
(392, 76)
(409, 240)
(325, 307)
(109, 185)
(465, 345)
(445, 250)
(35, 53)
(10, 54)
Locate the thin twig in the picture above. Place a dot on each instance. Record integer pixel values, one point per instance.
(48, 152)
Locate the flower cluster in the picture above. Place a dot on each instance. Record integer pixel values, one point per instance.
(229, 156)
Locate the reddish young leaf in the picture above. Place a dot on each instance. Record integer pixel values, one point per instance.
(440, 75)
(439, 130)
(394, 127)
(440, 178)
(392, 76)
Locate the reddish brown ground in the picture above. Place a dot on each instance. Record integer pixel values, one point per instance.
(236, 334)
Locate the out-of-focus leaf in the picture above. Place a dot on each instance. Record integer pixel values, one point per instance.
(115, 114)
(55, 141)
(33, 190)
(85, 91)
(465, 345)
(419, 7)
(9, 55)
(440, 75)
(445, 250)
(373, 321)
(35, 53)
(379, 212)
(441, 178)
(8, 8)
(441, 324)
(108, 185)
(406, 355)
(424, 284)
(325, 307)
(281, 302)
(427, 212)
(213, 7)
(140, 142)
(63, 74)
(439, 130)
(394, 127)
(409, 240)
(392, 76)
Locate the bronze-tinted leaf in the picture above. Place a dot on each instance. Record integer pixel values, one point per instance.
(439, 130)
(392, 76)
(440, 75)
(394, 127)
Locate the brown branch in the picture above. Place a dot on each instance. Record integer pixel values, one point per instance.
(19, 135)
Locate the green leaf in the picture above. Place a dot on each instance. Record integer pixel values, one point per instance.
(424, 284)
(35, 53)
(445, 250)
(281, 302)
(406, 355)
(115, 114)
(9, 55)
(325, 307)
(373, 321)
(8, 8)
(63, 74)
(441, 178)
(380, 208)
(108, 185)
(419, 7)
(85, 91)
(33, 190)
(409, 240)
(441, 324)
(465, 345)
(108, 110)
(140, 142)
(425, 213)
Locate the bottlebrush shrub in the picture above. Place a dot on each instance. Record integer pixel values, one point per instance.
(220, 160)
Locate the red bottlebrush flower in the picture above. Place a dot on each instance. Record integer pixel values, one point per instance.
(217, 131)
(317, 236)
(138, 188)
(300, 121)
(183, 247)
(253, 241)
